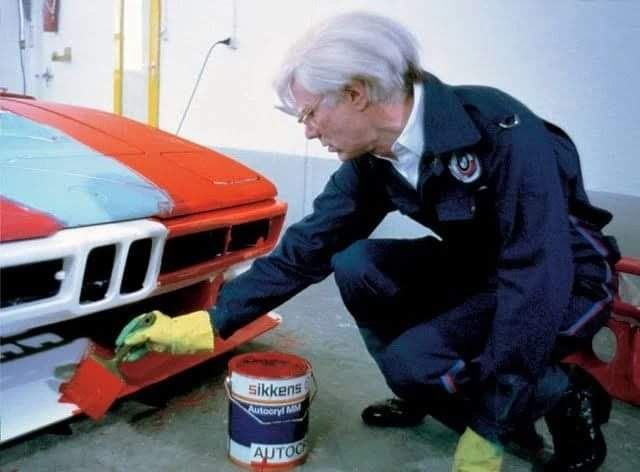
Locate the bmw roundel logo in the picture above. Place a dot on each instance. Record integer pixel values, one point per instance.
(465, 168)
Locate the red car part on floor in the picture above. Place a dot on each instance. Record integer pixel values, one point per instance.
(621, 376)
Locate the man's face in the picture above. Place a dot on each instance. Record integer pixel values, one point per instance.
(343, 128)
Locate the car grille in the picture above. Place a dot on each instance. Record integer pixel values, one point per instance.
(205, 246)
(84, 270)
(191, 249)
(78, 271)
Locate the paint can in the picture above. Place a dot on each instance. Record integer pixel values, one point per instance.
(269, 398)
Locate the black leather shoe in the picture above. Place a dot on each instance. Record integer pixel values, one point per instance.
(393, 412)
(574, 424)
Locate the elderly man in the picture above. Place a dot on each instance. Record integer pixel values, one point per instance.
(474, 321)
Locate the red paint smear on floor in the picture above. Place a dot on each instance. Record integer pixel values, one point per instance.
(191, 400)
(287, 342)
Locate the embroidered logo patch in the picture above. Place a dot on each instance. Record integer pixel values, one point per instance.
(465, 168)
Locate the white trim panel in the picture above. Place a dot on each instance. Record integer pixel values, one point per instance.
(73, 246)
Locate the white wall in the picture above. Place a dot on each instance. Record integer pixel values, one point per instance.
(10, 65)
(86, 27)
(575, 62)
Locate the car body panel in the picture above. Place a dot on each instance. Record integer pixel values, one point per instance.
(96, 142)
(21, 222)
(75, 184)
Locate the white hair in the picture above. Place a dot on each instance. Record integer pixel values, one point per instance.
(375, 49)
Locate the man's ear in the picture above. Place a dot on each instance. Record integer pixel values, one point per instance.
(356, 94)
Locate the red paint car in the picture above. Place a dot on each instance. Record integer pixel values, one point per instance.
(103, 218)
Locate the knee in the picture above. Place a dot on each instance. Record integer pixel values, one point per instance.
(408, 378)
(412, 370)
(398, 376)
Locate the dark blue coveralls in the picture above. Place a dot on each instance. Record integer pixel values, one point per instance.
(522, 274)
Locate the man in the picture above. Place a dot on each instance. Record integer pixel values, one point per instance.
(473, 321)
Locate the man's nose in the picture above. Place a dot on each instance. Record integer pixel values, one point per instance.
(310, 131)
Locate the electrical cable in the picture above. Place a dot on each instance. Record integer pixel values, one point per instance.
(226, 41)
(21, 46)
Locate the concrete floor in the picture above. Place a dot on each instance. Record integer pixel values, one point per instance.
(181, 424)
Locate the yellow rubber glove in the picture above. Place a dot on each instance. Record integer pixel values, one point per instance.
(476, 454)
(185, 334)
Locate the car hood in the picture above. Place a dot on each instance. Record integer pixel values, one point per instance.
(64, 166)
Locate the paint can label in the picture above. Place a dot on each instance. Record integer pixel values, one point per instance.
(268, 417)
(269, 391)
(278, 454)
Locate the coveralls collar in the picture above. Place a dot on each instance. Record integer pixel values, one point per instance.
(447, 126)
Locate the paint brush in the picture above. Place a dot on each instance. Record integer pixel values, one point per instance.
(98, 382)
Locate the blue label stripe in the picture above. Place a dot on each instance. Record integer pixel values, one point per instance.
(278, 429)
(600, 305)
(447, 379)
(48, 170)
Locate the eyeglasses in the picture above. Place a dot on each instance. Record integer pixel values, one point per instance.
(308, 110)
(305, 114)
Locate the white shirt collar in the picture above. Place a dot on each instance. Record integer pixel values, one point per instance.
(412, 137)
(408, 147)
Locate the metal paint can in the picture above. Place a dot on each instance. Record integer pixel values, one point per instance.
(269, 398)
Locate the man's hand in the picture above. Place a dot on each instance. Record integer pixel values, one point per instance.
(186, 334)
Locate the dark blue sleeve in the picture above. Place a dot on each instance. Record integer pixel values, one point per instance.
(534, 273)
(345, 211)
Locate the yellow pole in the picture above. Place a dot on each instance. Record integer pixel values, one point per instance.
(119, 54)
(154, 64)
